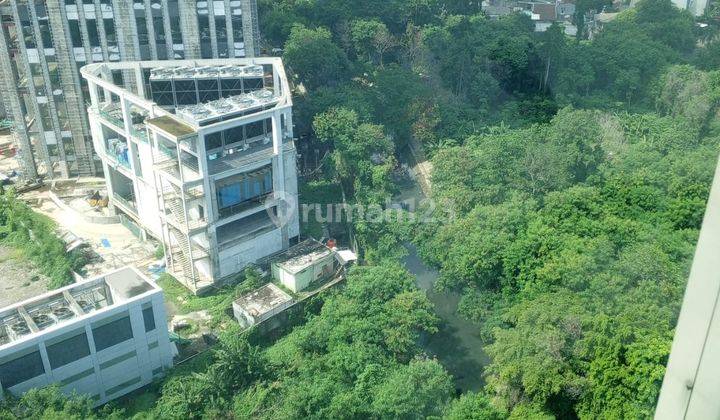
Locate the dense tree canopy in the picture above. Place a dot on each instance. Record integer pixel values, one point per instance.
(578, 283)
(578, 169)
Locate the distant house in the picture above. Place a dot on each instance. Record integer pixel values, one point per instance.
(497, 9)
(696, 7)
(545, 13)
(599, 21)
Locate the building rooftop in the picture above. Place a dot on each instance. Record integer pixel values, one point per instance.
(301, 256)
(205, 72)
(225, 107)
(544, 11)
(59, 307)
(262, 300)
(171, 126)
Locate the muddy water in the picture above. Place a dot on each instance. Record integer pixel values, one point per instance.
(457, 344)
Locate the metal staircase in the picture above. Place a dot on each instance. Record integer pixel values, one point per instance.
(181, 249)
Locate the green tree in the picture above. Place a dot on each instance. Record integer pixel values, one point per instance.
(371, 39)
(362, 153)
(313, 56)
(418, 390)
(472, 406)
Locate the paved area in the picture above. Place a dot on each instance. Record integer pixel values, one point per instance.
(115, 244)
(21, 280)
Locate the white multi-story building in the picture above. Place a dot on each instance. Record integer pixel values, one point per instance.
(103, 337)
(200, 155)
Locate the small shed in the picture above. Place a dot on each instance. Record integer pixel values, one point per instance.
(260, 305)
(303, 264)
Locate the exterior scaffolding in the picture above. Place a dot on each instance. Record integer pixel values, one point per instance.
(44, 42)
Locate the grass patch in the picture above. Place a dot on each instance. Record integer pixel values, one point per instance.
(216, 302)
(321, 192)
(34, 236)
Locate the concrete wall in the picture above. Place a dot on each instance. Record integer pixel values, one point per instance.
(695, 7)
(301, 280)
(235, 258)
(291, 189)
(691, 386)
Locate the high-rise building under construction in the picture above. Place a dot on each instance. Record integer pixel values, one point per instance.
(44, 43)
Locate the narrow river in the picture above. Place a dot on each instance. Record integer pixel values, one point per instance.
(457, 344)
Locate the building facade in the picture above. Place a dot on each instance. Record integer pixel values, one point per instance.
(691, 385)
(45, 42)
(103, 337)
(696, 7)
(200, 155)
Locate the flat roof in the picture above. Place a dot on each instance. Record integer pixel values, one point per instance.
(301, 256)
(59, 307)
(171, 125)
(262, 300)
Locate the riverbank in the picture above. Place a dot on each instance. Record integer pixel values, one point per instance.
(457, 344)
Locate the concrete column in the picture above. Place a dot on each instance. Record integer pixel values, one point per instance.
(213, 32)
(70, 81)
(11, 97)
(229, 29)
(84, 31)
(128, 44)
(151, 30)
(50, 97)
(168, 30)
(139, 79)
(108, 185)
(251, 32)
(279, 177)
(189, 28)
(101, 31)
(41, 147)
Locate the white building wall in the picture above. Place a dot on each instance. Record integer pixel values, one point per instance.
(148, 207)
(234, 258)
(291, 189)
(691, 385)
(145, 364)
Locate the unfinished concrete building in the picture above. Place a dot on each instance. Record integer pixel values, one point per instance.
(200, 155)
(44, 43)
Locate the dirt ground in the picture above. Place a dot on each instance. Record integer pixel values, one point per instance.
(21, 280)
